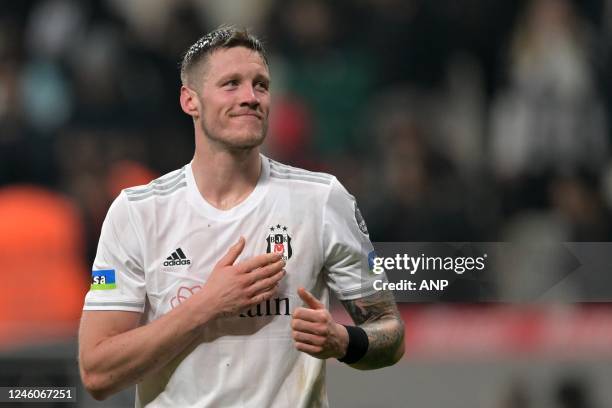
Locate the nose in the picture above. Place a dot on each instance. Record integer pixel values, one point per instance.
(248, 97)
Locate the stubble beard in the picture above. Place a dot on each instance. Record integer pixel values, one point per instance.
(235, 144)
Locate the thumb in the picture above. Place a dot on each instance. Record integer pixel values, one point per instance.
(232, 254)
(309, 299)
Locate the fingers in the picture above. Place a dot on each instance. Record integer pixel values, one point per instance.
(264, 272)
(310, 331)
(319, 329)
(308, 348)
(264, 284)
(232, 254)
(309, 315)
(307, 338)
(258, 261)
(309, 299)
(263, 296)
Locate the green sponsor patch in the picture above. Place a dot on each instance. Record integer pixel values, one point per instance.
(103, 286)
(103, 279)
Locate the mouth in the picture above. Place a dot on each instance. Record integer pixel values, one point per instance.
(250, 114)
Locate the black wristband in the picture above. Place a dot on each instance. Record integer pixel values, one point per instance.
(357, 346)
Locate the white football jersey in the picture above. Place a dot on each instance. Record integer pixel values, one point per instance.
(160, 242)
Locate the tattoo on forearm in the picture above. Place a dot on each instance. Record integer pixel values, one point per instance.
(378, 316)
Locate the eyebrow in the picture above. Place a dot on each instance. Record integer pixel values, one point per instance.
(236, 75)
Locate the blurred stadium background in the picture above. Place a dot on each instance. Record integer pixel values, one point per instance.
(474, 120)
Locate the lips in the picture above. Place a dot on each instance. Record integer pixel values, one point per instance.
(255, 115)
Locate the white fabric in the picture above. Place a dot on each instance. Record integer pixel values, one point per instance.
(247, 360)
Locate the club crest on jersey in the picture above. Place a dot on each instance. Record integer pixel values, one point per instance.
(279, 241)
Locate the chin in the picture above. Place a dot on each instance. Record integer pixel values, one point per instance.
(246, 137)
(238, 139)
(244, 141)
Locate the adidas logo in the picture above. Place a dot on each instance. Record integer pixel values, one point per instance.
(177, 258)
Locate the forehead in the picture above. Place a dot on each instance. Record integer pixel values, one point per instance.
(225, 61)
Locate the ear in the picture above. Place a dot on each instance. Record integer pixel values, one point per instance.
(190, 102)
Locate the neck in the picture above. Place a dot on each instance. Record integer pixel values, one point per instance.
(225, 177)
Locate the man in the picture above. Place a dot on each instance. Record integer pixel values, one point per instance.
(195, 324)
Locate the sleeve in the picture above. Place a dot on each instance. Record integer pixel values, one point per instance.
(347, 247)
(117, 277)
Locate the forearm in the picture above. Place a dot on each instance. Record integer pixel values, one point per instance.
(378, 316)
(386, 343)
(125, 359)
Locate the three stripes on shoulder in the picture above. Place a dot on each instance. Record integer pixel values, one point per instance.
(282, 171)
(175, 180)
(162, 186)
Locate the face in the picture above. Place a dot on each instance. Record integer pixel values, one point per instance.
(234, 98)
